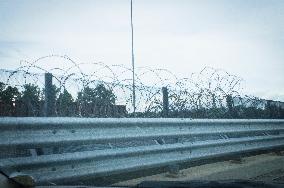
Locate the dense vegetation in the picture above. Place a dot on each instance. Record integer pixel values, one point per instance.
(92, 102)
(30, 101)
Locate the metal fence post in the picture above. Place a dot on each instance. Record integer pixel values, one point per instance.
(214, 101)
(269, 108)
(165, 102)
(230, 104)
(49, 101)
(49, 104)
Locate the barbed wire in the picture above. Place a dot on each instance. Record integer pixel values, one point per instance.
(205, 89)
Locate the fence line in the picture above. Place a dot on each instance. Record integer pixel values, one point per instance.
(204, 95)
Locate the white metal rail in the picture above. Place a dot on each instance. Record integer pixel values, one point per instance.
(154, 143)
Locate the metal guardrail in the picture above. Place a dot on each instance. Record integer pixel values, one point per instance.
(153, 143)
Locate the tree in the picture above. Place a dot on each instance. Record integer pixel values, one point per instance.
(104, 96)
(65, 104)
(2, 87)
(87, 95)
(8, 98)
(95, 101)
(30, 100)
(99, 95)
(9, 95)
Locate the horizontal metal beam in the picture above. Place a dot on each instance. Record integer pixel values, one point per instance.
(47, 160)
(195, 140)
(60, 171)
(46, 135)
(70, 123)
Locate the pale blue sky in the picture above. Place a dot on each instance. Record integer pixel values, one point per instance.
(243, 37)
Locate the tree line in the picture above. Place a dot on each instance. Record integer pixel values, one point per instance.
(100, 102)
(30, 100)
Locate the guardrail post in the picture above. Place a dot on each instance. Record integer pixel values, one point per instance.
(165, 112)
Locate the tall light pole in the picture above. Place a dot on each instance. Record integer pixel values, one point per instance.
(133, 67)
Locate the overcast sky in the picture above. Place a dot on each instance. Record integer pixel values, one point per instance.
(243, 37)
